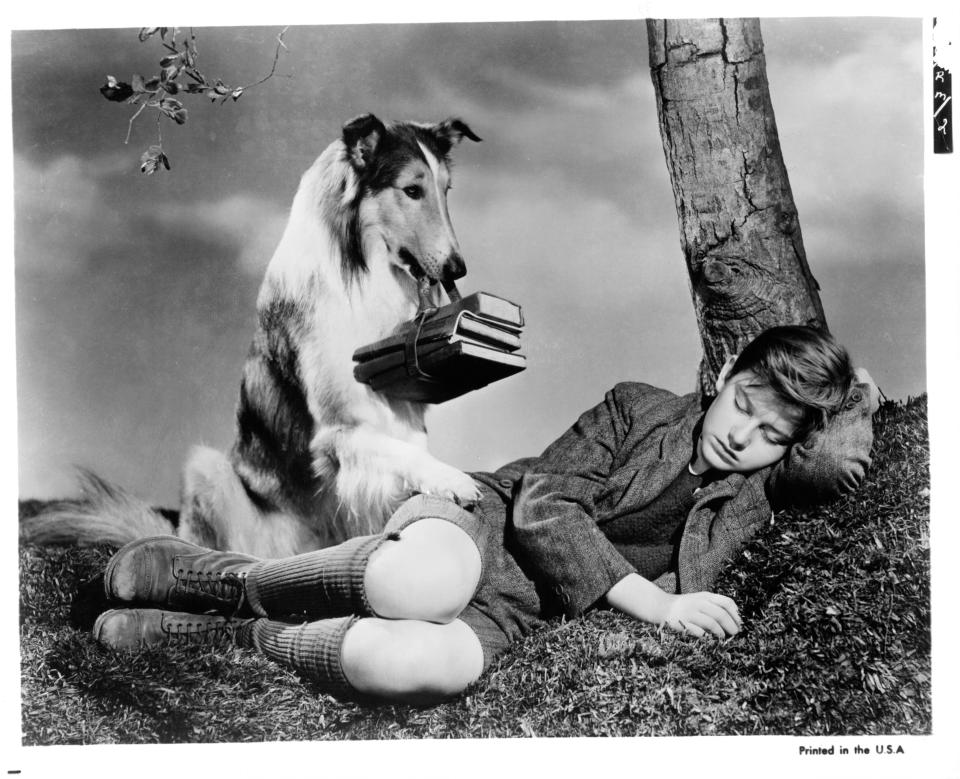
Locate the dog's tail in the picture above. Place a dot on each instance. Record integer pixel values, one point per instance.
(104, 514)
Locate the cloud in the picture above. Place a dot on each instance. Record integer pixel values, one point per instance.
(586, 140)
(62, 215)
(565, 243)
(66, 215)
(857, 180)
(495, 58)
(248, 225)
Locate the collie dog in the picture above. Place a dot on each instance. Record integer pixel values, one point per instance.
(318, 456)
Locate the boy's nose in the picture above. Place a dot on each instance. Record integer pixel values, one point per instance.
(739, 437)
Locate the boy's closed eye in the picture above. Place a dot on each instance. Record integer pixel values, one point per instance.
(741, 401)
(775, 437)
(747, 407)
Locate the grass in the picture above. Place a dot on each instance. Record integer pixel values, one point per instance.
(836, 641)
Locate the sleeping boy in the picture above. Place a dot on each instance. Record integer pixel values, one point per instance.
(637, 506)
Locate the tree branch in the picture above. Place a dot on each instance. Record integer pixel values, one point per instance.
(132, 119)
(276, 59)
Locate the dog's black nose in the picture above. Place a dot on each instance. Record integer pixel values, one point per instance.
(454, 268)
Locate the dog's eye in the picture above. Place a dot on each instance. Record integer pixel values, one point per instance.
(413, 192)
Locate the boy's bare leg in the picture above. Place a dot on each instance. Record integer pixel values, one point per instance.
(414, 649)
(410, 660)
(430, 574)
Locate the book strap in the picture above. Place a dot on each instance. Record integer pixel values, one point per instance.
(452, 292)
(426, 310)
(411, 359)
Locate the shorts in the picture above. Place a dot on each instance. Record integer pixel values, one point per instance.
(508, 604)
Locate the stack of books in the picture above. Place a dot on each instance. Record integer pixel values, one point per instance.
(460, 347)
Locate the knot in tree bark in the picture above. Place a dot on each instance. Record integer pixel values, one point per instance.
(715, 272)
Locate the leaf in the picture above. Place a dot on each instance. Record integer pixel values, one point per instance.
(171, 59)
(152, 159)
(169, 74)
(146, 32)
(236, 93)
(138, 85)
(172, 108)
(116, 91)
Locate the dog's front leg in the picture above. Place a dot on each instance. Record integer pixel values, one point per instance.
(372, 473)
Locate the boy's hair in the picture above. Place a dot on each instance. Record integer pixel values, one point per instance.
(805, 368)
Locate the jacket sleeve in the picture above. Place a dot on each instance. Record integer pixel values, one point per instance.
(830, 462)
(668, 582)
(554, 506)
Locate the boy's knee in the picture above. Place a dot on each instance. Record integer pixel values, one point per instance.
(430, 574)
(410, 660)
(450, 567)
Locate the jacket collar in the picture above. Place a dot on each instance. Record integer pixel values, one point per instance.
(678, 441)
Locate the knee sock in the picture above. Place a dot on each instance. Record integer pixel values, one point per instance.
(316, 585)
(312, 648)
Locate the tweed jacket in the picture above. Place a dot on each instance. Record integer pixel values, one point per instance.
(622, 454)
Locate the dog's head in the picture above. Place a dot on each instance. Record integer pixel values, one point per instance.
(402, 173)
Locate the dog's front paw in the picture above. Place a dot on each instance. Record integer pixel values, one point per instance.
(447, 482)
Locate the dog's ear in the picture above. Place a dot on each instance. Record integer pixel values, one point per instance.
(361, 136)
(450, 132)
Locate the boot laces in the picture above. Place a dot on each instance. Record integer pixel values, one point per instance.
(222, 586)
(204, 631)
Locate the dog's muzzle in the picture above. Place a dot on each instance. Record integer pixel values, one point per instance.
(452, 269)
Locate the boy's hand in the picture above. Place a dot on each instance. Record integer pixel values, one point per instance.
(699, 613)
(696, 613)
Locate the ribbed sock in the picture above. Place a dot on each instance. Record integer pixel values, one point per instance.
(312, 648)
(316, 585)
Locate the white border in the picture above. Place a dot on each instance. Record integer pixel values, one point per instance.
(933, 756)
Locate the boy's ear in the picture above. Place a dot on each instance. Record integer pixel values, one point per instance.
(725, 373)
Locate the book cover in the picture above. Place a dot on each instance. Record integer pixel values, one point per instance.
(441, 327)
(488, 305)
(453, 368)
(394, 357)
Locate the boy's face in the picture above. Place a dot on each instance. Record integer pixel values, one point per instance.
(746, 427)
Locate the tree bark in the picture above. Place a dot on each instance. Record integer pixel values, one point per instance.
(738, 223)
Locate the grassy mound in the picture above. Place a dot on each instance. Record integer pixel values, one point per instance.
(836, 641)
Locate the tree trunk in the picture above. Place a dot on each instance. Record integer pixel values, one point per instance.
(738, 224)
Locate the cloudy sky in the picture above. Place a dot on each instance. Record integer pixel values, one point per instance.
(135, 295)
